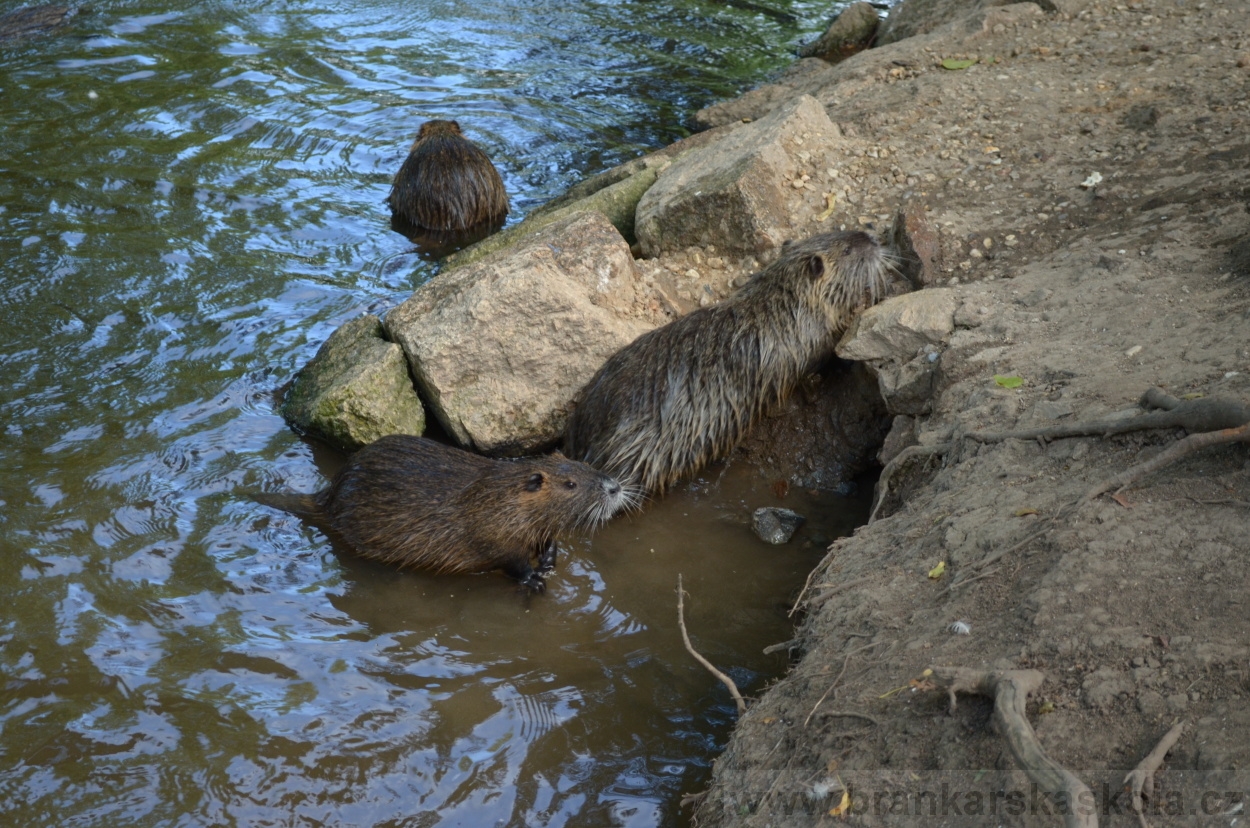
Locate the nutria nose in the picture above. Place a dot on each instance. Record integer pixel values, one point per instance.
(612, 487)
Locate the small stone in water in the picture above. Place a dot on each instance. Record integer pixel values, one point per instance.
(774, 525)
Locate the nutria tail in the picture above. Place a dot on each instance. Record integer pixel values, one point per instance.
(447, 184)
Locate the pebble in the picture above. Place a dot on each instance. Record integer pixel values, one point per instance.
(775, 525)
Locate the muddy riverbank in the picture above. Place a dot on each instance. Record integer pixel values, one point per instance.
(1083, 174)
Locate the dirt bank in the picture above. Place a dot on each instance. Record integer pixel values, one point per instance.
(1088, 180)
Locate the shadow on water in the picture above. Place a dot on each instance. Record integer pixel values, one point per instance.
(193, 199)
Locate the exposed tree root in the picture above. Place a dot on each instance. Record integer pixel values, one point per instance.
(685, 637)
(1203, 414)
(1209, 421)
(1173, 453)
(1010, 690)
(1142, 778)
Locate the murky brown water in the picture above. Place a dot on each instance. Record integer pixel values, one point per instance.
(191, 201)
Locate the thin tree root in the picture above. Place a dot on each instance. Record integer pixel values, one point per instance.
(1211, 422)
(1142, 778)
(1173, 453)
(883, 482)
(685, 637)
(846, 661)
(1200, 415)
(1010, 690)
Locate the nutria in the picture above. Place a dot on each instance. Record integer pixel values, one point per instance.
(447, 184)
(683, 394)
(33, 21)
(420, 504)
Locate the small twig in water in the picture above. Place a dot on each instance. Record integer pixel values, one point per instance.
(685, 637)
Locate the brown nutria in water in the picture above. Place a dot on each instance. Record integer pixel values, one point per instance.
(33, 21)
(447, 184)
(684, 394)
(416, 503)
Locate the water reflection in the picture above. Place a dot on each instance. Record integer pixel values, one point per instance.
(193, 199)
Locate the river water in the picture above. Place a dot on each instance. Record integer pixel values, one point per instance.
(191, 198)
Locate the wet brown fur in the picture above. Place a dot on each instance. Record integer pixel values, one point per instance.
(684, 394)
(34, 21)
(447, 184)
(419, 504)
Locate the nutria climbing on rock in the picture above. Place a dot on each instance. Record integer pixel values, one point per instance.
(447, 184)
(419, 504)
(683, 394)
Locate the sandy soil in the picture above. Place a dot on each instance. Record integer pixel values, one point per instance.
(1136, 610)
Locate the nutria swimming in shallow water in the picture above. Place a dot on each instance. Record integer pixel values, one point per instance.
(419, 504)
(447, 184)
(34, 21)
(684, 394)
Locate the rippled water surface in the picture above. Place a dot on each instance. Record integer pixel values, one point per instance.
(191, 200)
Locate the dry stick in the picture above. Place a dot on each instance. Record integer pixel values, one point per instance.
(1010, 690)
(807, 584)
(1210, 421)
(831, 590)
(1142, 777)
(726, 680)
(836, 679)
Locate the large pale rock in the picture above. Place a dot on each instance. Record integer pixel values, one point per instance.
(900, 327)
(900, 339)
(499, 347)
(617, 202)
(851, 31)
(355, 390)
(614, 192)
(733, 194)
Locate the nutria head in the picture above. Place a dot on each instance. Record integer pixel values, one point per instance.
(540, 497)
(850, 270)
(431, 128)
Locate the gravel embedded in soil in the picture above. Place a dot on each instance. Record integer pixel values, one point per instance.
(1136, 613)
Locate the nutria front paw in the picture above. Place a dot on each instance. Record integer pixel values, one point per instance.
(534, 582)
(547, 558)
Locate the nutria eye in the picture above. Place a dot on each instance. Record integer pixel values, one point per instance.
(570, 484)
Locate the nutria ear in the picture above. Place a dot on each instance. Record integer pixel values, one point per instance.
(559, 455)
(535, 482)
(816, 266)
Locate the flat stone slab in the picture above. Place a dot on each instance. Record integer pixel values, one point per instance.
(499, 347)
(735, 194)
